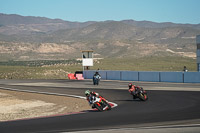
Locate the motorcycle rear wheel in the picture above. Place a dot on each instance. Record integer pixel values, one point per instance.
(100, 108)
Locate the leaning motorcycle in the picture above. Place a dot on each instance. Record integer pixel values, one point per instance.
(100, 103)
(141, 94)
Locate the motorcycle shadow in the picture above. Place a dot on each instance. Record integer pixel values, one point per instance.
(92, 110)
(91, 84)
(131, 100)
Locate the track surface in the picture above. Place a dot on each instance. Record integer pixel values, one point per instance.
(163, 106)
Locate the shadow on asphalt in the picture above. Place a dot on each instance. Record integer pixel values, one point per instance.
(132, 100)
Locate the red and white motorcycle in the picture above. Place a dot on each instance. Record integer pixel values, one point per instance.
(100, 103)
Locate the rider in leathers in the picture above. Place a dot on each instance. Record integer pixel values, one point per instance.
(133, 89)
(89, 95)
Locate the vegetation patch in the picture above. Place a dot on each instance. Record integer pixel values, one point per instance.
(60, 68)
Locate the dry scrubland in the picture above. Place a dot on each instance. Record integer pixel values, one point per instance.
(21, 105)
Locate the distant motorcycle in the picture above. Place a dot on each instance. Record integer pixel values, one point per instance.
(141, 94)
(96, 79)
(100, 103)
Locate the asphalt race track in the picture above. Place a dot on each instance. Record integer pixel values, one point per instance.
(168, 104)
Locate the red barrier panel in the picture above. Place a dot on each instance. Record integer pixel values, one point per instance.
(71, 76)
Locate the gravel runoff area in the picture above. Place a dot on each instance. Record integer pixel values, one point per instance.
(21, 105)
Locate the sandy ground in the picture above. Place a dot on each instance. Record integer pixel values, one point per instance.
(21, 105)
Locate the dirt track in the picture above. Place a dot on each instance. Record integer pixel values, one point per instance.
(20, 105)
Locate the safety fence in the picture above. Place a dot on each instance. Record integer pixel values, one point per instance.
(149, 76)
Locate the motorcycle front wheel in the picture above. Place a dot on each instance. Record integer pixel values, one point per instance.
(143, 96)
(107, 104)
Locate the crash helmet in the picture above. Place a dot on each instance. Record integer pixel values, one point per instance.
(130, 85)
(87, 92)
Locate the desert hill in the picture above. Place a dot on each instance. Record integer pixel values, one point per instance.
(39, 38)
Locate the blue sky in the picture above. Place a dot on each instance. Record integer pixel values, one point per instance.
(177, 11)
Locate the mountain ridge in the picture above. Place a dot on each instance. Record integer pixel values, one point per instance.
(14, 19)
(30, 38)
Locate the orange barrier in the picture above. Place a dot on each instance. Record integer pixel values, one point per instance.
(71, 76)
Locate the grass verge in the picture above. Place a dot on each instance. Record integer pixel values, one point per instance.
(60, 71)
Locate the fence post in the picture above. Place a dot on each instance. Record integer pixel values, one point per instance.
(138, 76)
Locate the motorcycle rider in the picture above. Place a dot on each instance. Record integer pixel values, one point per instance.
(89, 94)
(133, 89)
(96, 77)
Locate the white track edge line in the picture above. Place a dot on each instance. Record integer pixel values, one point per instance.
(57, 94)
